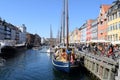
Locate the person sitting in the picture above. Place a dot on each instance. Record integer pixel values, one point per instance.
(57, 56)
(64, 56)
(72, 58)
(110, 51)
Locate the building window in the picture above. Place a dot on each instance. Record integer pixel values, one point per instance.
(116, 37)
(113, 27)
(119, 14)
(108, 38)
(109, 27)
(116, 25)
(115, 16)
(112, 16)
(109, 18)
(111, 37)
(119, 25)
(101, 22)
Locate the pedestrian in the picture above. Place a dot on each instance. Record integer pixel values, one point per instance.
(110, 51)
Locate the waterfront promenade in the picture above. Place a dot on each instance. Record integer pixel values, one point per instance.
(99, 64)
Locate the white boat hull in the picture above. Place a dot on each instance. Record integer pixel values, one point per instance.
(50, 50)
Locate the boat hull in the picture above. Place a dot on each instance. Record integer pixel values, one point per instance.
(10, 51)
(65, 66)
(7, 49)
(50, 51)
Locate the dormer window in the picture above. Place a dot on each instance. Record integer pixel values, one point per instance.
(119, 13)
(101, 22)
(105, 19)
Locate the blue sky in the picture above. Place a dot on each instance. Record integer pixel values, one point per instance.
(37, 15)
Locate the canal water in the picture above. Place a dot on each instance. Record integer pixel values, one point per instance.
(35, 65)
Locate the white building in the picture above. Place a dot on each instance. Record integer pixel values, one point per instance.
(2, 32)
(7, 31)
(11, 32)
(83, 32)
(94, 30)
(22, 34)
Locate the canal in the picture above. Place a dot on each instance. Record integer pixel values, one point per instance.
(35, 65)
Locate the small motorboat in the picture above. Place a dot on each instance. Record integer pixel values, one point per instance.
(50, 50)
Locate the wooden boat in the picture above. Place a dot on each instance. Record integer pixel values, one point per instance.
(67, 65)
(64, 66)
(64, 58)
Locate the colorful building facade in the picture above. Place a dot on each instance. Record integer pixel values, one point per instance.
(113, 16)
(88, 32)
(83, 31)
(102, 22)
(94, 30)
(71, 40)
(74, 36)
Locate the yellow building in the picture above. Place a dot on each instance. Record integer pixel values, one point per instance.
(74, 36)
(113, 16)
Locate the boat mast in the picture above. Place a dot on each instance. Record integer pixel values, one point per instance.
(61, 32)
(67, 25)
(50, 35)
(67, 33)
(64, 21)
(58, 37)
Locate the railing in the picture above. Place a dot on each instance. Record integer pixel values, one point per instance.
(102, 67)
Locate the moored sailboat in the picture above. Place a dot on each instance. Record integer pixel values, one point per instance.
(65, 58)
(50, 49)
(66, 64)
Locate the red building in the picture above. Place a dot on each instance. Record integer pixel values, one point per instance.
(88, 32)
(102, 22)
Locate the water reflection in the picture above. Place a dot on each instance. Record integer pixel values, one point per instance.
(72, 76)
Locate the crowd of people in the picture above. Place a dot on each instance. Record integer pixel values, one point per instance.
(102, 49)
